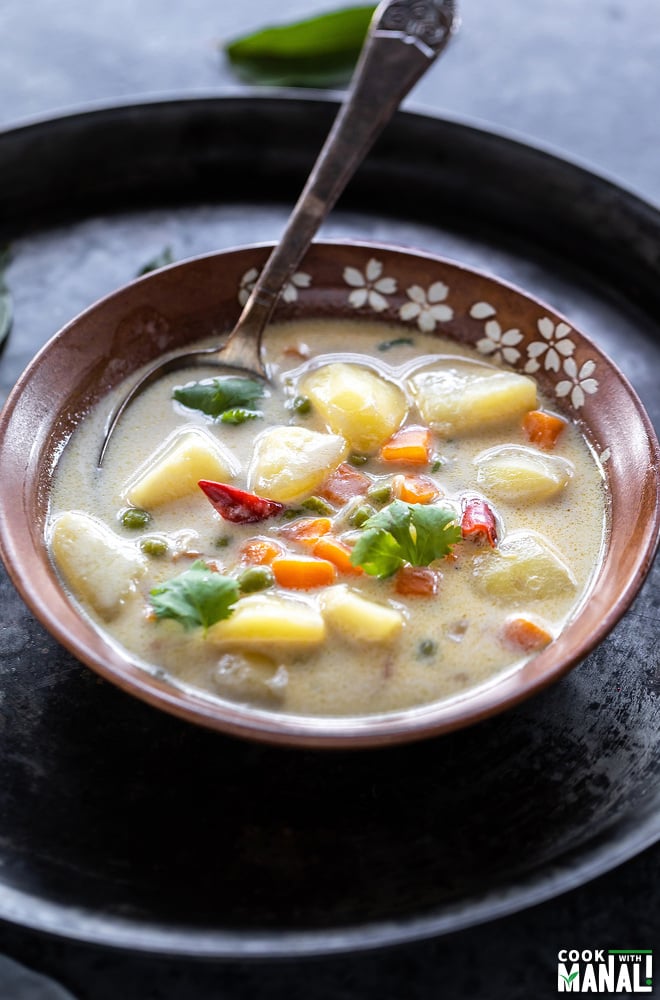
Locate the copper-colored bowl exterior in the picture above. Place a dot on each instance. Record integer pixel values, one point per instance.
(116, 336)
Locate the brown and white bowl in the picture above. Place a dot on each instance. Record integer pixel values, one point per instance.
(203, 296)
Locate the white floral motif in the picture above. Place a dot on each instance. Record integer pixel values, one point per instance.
(290, 292)
(482, 310)
(247, 284)
(499, 344)
(578, 383)
(369, 288)
(427, 307)
(554, 347)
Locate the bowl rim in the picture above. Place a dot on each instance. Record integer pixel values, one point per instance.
(272, 727)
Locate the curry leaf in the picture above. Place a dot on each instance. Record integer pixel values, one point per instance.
(378, 553)
(387, 345)
(6, 302)
(161, 259)
(316, 52)
(405, 533)
(198, 597)
(216, 396)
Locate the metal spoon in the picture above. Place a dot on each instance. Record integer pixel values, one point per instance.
(404, 38)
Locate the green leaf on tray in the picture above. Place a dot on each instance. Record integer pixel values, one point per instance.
(198, 597)
(405, 533)
(6, 302)
(317, 52)
(220, 395)
(161, 259)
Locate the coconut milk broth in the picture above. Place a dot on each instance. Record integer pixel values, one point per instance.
(340, 677)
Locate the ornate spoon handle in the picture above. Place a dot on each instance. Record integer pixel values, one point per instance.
(404, 38)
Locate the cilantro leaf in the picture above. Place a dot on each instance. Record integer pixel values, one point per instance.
(405, 533)
(387, 345)
(161, 259)
(435, 531)
(377, 552)
(198, 597)
(215, 396)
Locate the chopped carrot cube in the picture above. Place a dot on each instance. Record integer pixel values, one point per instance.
(416, 581)
(307, 530)
(336, 552)
(345, 483)
(414, 489)
(525, 634)
(410, 444)
(260, 551)
(543, 428)
(303, 572)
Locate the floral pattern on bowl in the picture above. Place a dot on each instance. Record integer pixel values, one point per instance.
(546, 346)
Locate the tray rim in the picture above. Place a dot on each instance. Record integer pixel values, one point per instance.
(96, 109)
(572, 869)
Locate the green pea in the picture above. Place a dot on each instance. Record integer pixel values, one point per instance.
(356, 459)
(427, 647)
(153, 546)
(380, 493)
(301, 405)
(361, 514)
(134, 518)
(255, 578)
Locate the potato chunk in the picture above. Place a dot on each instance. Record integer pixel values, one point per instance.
(174, 470)
(465, 400)
(251, 677)
(512, 472)
(290, 463)
(358, 618)
(100, 568)
(270, 621)
(525, 566)
(356, 403)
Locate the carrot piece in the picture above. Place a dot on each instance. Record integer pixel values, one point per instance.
(414, 489)
(416, 581)
(307, 530)
(525, 634)
(303, 572)
(410, 444)
(260, 551)
(338, 553)
(543, 428)
(344, 483)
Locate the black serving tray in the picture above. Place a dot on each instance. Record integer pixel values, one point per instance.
(125, 827)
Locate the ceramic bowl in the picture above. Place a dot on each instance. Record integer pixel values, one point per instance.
(167, 308)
